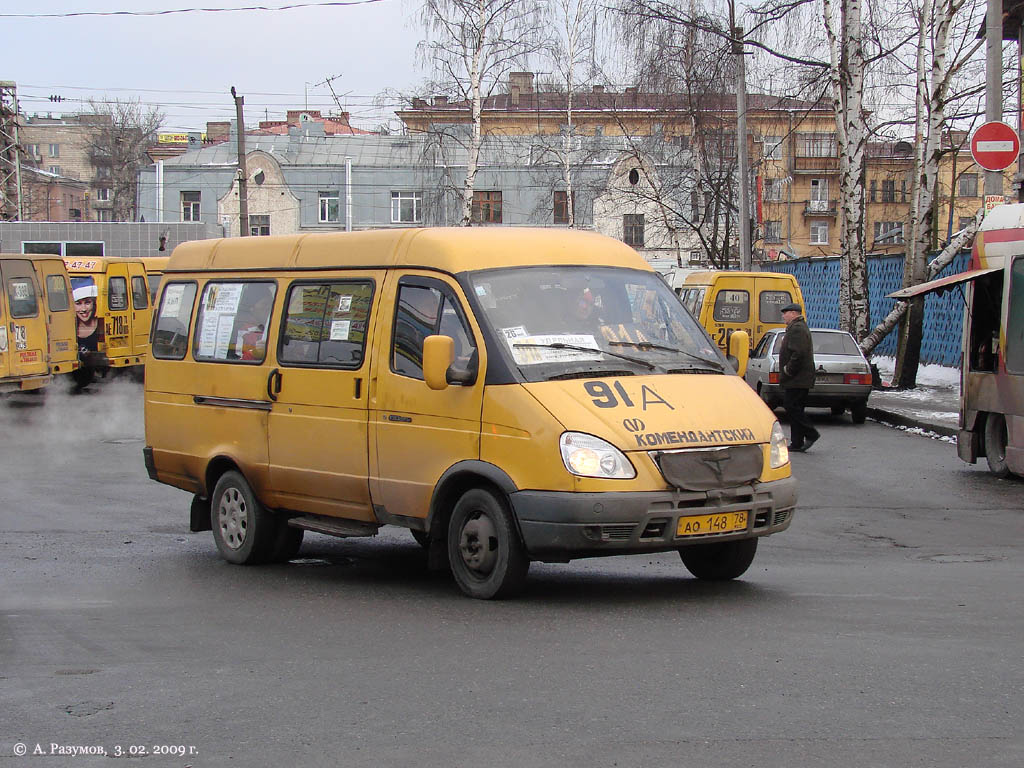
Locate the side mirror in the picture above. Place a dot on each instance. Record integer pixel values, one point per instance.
(438, 354)
(739, 351)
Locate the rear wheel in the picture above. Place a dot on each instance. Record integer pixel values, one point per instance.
(859, 411)
(719, 561)
(286, 543)
(422, 537)
(995, 444)
(245, 531)
(487, 559)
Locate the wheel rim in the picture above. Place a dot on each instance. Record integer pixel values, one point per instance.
(478, 544)
(233, 518)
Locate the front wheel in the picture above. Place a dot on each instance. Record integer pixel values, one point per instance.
(487, 559)
(719, 561)
(245, 531)
(995, 444)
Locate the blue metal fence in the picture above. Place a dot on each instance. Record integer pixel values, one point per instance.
(943, 315)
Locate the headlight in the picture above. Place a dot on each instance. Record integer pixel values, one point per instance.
(589, 456)
(779, 454)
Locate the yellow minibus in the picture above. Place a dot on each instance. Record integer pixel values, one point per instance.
(508, 395)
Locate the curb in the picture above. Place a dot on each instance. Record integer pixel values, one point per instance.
(899, 420)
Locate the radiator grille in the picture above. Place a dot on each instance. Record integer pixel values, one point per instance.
(704, 469)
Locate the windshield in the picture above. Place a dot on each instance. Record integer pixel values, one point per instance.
(578, 322)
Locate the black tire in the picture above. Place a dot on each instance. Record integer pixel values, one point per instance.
(245, 530)
(286, 543)
(487, 559)
(719, 561)
(837, 410)
(995, 444)
(422, 538)
(859, 411)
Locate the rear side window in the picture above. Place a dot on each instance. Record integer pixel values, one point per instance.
(117, 293)
(170, 334)
(732, 307)
(771, 304)
(424, 311)
(234, 321)
(140, 293)
(57, 293)
(21, 293)
(325, 324)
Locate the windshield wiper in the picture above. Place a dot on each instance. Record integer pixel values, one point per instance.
(577, 348)
(651, 345)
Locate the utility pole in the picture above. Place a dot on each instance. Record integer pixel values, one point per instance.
(742, 161)
(994, 82)
(243, 176)
(11, 204)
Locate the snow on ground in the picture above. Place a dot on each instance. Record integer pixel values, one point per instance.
(928, 375)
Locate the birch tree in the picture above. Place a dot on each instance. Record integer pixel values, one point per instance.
(117, 146)
(472, 45)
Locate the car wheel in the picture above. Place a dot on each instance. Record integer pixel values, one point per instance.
(243, 528)
(995, 444)
(859, 411)
(719, 561)
(422, 538)
(487, 559)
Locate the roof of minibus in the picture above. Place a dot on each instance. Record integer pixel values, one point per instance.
(707, 277)
(31, 256)
(449, 249)
(154, 263)
(94, 263)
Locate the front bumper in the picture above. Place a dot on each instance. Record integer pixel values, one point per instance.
(560, 526)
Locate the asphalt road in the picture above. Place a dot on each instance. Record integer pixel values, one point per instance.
(883, 629)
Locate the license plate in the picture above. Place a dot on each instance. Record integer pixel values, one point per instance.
(702, 525)
(828, 378)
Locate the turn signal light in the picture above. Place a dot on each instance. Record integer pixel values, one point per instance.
(857, 378)
(773, 377)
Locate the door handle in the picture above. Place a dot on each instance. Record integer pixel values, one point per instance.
(274, 384)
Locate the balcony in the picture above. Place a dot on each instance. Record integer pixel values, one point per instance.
(808, 164)
(820, 208)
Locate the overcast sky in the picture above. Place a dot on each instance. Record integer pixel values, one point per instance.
(186, 63)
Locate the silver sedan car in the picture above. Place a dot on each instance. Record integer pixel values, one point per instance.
(842, 380)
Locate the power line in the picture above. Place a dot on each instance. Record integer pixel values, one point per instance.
(169, 11)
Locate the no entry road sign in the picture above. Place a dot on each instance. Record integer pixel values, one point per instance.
(995, 146)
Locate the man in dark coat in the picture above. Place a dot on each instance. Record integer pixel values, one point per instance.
(796, 376)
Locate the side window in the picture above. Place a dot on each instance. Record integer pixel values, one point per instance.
(732, 307)
(170, 336)
(325, 323)
(1015, 314)
(762, 346)
(140, 293)
(57, 293)
(22, 294)
(117, 293)
(154, 286)
(233, 321)
(423, 311)
(770, 305)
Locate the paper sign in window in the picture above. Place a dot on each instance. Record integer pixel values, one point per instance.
(340, 330)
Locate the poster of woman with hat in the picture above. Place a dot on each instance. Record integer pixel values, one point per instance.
(89, 328)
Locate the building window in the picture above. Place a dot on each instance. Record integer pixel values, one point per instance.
(562, 207)
(694, 206)
(32, 150)
(104, 214)
(873, 191)
(772, 190)
(633, 229)
(259, 225)
(963, 222)
(330, 208)
(696, 257)
(773, 147)
(103, 194)
(54, 169)
(103, 172)
(190, 204)
(773, 231)
(819, 232)
(819, 145)
(55, 150)
(487, 207)
(968, 186)
(888, 191)
(888, 232)
(406, 207)
(903, 190)
(819, 189)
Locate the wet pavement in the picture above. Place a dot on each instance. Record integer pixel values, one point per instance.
(929, 407)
